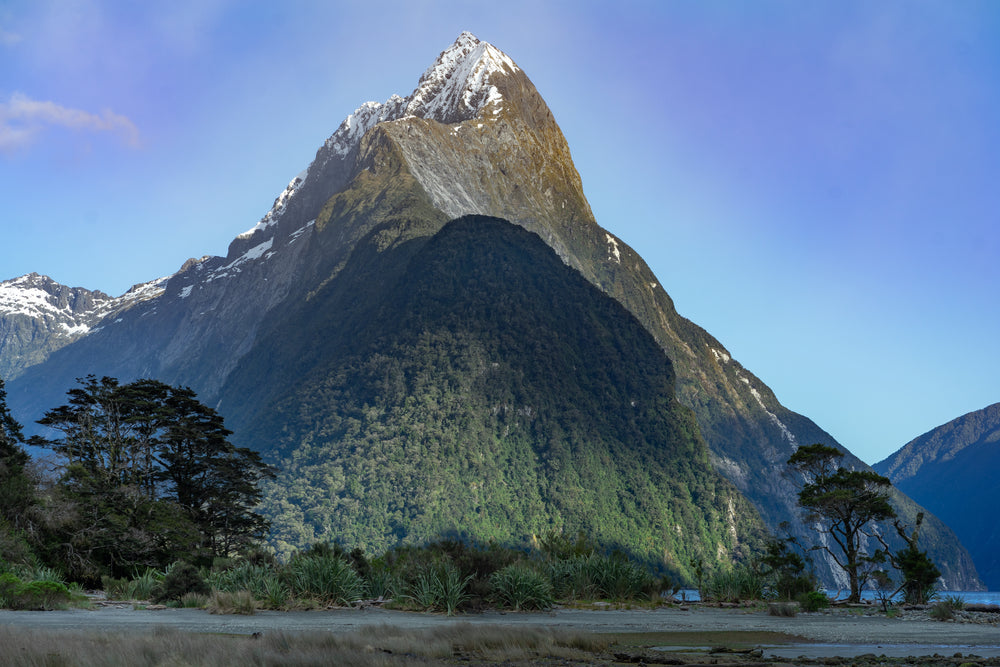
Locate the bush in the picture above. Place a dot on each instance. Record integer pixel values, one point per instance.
(181, 579)
(32, 595)
(521, 587)
(920, 575)
(813, 601)
(941, 611)
(786, 609)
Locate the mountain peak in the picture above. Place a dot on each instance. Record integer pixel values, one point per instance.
(458, 85)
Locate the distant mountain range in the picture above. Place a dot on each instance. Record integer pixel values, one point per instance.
(302, 338)
(952, 471)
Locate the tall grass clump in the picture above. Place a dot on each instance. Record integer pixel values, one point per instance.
(243, 576)
(740, 583)
(240, 602)
(144, 586)
(383, 584)
(599, 577)
(440, 588)
(520, 587)
(325, 577)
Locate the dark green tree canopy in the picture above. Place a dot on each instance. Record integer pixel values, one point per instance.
(152, 474)
(843, 503)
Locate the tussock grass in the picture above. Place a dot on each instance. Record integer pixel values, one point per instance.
(239, 602)
(372, 646)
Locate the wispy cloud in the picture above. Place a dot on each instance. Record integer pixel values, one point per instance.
(22, 119)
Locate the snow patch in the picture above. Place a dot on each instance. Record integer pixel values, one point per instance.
(723, 357)
(256, 252)
(294, 236)
(613, 252)
(186, 292)
(279, 206)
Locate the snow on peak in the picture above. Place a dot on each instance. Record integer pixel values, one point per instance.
(457, 86)
(272, 216)
(364, 118)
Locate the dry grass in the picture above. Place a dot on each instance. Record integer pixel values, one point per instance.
(370, 647)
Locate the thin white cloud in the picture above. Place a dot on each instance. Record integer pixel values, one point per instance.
(22, 119)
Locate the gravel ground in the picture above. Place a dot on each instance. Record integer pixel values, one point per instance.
(839, 633)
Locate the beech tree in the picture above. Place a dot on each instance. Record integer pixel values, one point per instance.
(152, 477)
(843, 504)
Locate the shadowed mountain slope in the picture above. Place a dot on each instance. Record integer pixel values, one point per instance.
(952, 471)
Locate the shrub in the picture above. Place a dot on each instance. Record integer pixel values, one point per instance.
(521, 587)
(787, 609)
(39, 595)
(9, 585)
(813, 601)
(941, 611)
(920, 575)
(181, 579)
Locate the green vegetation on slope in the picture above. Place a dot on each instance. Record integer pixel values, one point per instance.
(488, 391)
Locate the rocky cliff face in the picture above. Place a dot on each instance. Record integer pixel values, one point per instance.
(474, 137)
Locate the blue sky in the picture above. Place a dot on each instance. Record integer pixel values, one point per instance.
(815, 183)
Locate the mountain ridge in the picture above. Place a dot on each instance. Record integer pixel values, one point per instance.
(951, 470)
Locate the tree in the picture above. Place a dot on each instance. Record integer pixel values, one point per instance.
(920, 574)
(843, 503)
(152, 476)
(17, 487)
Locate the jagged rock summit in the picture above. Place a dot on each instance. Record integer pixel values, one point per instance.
(473, 138)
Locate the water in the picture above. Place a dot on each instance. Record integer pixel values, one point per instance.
(969, 597)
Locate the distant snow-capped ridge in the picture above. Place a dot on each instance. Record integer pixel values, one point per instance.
(456, 88)
(67, 311)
